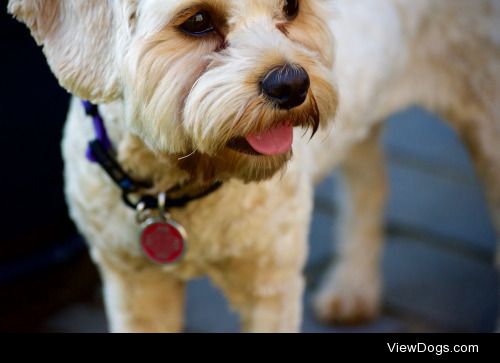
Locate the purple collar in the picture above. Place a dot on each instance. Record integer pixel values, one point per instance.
(99, 129)
(100, 151)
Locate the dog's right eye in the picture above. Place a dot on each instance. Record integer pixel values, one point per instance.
(291, 8)
(199, 24)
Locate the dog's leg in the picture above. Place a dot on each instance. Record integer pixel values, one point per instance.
(147, 300)
(482, 139)
(264, 281)
(274, 311)
(351, 289)
(483, 149)
(269, 300)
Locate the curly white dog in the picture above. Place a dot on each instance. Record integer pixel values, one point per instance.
(198, 93)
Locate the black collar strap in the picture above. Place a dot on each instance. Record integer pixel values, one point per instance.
(101, 152)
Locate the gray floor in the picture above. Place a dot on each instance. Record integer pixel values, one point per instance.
(438, 261)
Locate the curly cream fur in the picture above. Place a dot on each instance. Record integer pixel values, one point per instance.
(172, 102)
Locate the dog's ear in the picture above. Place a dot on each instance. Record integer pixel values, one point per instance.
(78, 39)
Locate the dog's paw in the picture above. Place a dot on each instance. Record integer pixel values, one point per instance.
(348, 296)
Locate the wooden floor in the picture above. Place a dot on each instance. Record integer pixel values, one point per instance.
(438, 261)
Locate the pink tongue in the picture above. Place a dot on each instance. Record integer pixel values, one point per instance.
(272, 142)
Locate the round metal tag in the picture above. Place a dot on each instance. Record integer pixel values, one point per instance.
(163, 242)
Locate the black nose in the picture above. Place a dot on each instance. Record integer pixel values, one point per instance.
(286, 86)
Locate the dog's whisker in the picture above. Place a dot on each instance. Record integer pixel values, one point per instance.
(188, 156)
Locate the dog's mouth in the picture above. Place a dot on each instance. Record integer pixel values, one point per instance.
(275, 141)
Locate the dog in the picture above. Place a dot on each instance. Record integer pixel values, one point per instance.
(241, 106)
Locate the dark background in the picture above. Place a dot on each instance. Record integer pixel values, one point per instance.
(38, 241)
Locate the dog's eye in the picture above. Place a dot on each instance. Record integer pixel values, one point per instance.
(199, 24)
(291, 8)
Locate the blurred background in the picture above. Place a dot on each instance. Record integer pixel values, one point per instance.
(438, 262)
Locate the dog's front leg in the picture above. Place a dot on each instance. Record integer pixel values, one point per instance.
(268, 299)
(351, 289)
(146, 300)
(266, 241)
(276, 310)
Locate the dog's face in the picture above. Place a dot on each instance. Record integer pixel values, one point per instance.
(222, 82)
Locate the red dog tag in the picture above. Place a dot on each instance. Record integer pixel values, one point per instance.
(163, 242)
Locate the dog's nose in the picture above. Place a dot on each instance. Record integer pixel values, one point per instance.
(286, 86)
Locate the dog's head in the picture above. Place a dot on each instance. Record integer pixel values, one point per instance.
(222, 80)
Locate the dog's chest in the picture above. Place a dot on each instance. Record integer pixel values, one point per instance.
(221, 226)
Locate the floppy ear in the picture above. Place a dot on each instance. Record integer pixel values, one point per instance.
(79, 41)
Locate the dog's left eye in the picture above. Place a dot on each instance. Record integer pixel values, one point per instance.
(199, 24)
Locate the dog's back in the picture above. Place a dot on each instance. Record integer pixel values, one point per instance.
(392, 54)
(461, 61)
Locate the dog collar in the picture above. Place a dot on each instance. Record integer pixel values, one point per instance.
(163, 240)
(101, 151)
